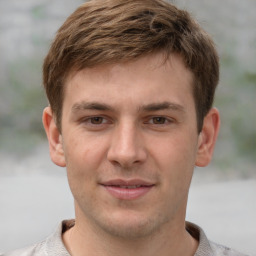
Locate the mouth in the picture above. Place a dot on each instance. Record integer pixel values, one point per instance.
(127, 189)
(130, 187)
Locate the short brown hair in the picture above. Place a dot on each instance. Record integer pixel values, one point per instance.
(109, 31)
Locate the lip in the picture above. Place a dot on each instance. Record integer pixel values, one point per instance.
(127, 189)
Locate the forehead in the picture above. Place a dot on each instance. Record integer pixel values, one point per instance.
(149, 78)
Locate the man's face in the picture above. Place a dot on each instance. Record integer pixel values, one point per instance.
(130, 143)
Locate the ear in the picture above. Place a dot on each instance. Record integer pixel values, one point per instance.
(54, 138)
(208, 137)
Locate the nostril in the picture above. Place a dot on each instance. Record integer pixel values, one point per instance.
(126, 160)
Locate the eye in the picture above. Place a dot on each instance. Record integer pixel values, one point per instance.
(96, 120)
(158, 120)
(95, 123)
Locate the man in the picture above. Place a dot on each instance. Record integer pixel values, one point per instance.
(130, 85)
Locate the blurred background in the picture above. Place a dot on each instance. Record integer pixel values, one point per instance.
(34, 194)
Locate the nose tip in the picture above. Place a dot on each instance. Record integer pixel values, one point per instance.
(123, 159)
(126, 148)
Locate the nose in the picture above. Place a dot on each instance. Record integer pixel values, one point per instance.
(126, 147)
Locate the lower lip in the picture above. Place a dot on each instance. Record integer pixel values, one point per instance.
(128, 193)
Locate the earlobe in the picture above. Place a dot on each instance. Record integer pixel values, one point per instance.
(54, 138)
(208, 137)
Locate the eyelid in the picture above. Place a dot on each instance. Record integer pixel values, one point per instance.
(88, 120)
(168, 120)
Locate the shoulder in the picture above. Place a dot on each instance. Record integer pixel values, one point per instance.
(206, 247)
(37, 249)
(51, 246)
(223, 250)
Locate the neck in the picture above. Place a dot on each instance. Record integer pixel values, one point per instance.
(85, 240)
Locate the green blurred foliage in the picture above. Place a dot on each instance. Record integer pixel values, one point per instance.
(236, 100)
(39, 12)
(21, 125)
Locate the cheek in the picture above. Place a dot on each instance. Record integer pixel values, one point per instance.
(175, 160)
(84, 151)
(178, 149)
(84, 158)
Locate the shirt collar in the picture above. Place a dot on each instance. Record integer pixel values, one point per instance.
(204, 247)
(55, 243)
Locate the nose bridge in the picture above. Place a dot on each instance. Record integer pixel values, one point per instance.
(126, 146)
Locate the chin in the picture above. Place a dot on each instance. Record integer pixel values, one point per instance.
(133, 227)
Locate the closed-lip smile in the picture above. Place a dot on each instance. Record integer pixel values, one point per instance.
(127, 189)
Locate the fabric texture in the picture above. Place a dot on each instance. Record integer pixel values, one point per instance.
(53, 245)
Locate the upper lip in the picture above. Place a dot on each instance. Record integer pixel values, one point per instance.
(122, 182)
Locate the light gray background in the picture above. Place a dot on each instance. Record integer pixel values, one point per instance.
(34, 195)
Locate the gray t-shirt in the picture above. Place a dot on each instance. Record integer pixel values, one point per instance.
(53, 245)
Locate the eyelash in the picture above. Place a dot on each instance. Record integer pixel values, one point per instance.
(89, 120)
(100, 122)
(163, 120)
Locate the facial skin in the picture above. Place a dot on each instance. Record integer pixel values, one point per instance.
(131, 124)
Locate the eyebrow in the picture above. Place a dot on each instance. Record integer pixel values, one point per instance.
(162, 106)
(90, 106)
(144, 108)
